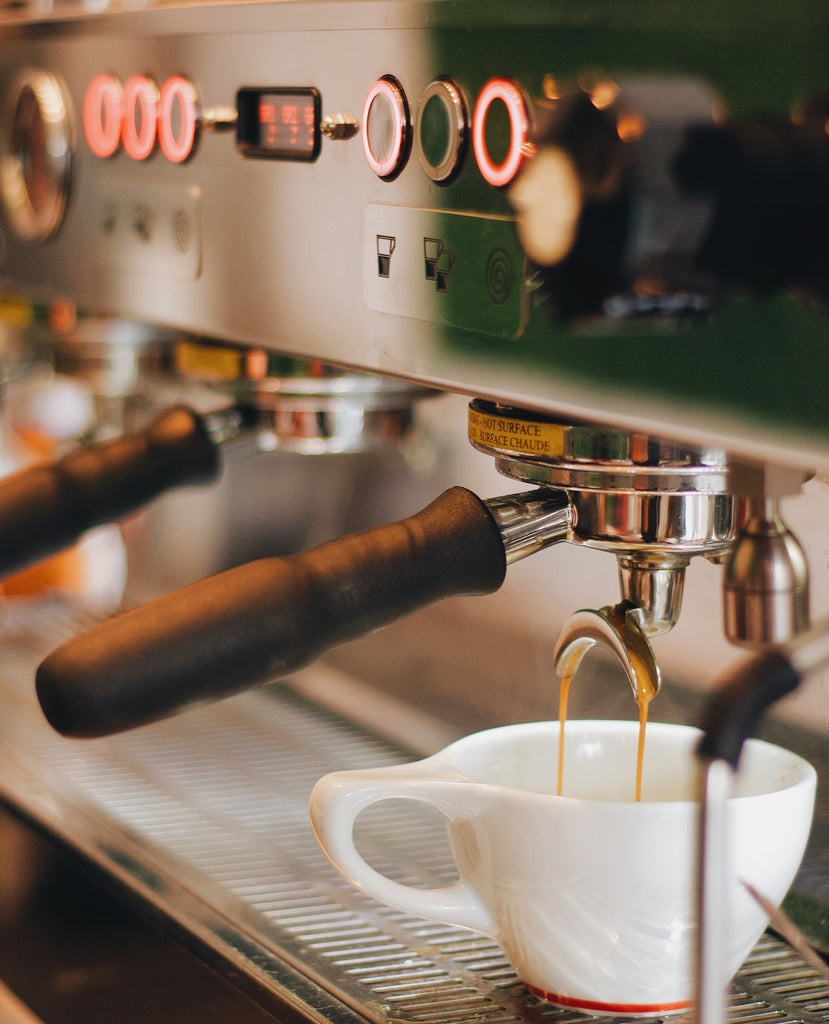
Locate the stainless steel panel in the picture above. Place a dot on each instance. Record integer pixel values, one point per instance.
(268, 252)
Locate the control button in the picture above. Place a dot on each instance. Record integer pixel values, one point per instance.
(37, 142)
(103, 109)
(182, 230)
(108, 221)
(140, 117)
(386, 128)
(441, 130)
(142, 222)
(510, 96)
(178, 119)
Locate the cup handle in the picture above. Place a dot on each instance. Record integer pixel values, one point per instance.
(337, 800)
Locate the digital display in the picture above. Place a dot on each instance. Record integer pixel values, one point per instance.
(278, 124)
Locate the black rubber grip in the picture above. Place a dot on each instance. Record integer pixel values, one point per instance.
(734, 711)
(47, 507)
(266, 618)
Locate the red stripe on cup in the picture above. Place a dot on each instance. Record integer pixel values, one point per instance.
(618, 1008)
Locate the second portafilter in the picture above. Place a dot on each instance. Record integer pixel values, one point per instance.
(255, 402)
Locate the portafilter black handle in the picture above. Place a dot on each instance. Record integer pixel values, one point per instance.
(261, 620)
(46, 507)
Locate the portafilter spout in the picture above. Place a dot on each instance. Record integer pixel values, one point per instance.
(654, 584)
(619, 629)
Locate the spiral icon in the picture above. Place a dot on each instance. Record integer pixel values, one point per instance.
(499, 276)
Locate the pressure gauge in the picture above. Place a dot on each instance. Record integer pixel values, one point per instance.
(36, 150)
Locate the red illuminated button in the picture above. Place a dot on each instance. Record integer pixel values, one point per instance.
(177, 118)
(102, 114)
(386, 128)
(508, 93)
(139, 127)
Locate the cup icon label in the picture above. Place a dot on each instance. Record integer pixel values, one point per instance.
(385, 248)
(439, 262)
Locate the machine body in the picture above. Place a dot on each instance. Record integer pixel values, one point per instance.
(603, 224)
(133, 184)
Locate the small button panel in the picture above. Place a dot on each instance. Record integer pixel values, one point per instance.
(150, 229)
(139, 115)
(443, 128)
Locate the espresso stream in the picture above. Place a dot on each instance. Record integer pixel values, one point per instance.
(645, 691)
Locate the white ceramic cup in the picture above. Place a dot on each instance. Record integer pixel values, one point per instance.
(590, 894)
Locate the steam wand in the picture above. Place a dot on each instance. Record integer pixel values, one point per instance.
(731, 717)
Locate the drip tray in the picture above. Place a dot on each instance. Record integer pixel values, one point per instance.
(204, 818)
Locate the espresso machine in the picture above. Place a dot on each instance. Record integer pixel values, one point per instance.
(571, 259)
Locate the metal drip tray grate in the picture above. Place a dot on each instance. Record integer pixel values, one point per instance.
(205, 816)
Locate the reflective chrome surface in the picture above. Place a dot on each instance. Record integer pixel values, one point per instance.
(285, 254)
(653, 582)
(766, 585)
(714, 873)
(532, 521)
(630, 490)
(445, 96)
(652, 502)
(583, 455)
(618, 630)
(206, 820)
(301, 406)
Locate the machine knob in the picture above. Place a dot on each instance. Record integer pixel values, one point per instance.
(37, 146)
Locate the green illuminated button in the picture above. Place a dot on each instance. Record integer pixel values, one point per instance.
(441, 130)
